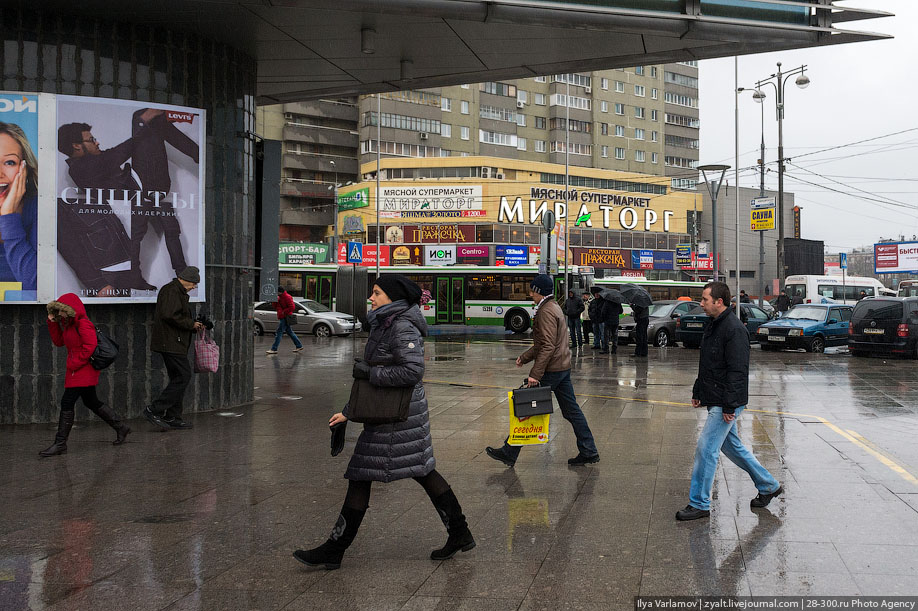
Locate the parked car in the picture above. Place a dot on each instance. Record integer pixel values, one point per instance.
(661, 331)
(311, 317)
(692, 325)
(884, 325)
(808, 326)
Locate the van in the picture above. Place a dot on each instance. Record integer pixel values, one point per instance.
(884, 325)
(831, 289)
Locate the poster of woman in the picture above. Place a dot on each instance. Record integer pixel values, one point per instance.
(18, 197)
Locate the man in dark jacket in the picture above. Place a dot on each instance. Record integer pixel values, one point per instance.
(641, 316)
(723, 388)
(782, 303)
(743, 297)
(797, 299)
(595, 309)
(610, 314)
(573, 307)
(173, 327)
(285, 309)
(551, 366)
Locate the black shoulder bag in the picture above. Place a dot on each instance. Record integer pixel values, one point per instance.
(378, 404)
(106, 351)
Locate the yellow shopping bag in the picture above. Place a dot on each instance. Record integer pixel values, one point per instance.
(527, 431)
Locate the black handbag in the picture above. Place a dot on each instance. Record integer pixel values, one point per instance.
(105, 353)
(337, 437)
(378, 404)
(532, 401)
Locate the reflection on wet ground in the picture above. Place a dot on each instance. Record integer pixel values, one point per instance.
(207, 518)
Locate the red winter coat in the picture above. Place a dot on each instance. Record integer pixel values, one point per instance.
(78, 334)
(284, 305)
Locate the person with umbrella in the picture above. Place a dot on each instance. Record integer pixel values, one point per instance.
(594, 308)
(640, 301)
(610, 313)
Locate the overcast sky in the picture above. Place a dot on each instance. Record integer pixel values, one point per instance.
(857, 92)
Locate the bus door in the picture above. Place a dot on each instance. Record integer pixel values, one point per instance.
(450, 300)
(319, 288)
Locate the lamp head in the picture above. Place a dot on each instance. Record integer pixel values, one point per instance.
(803, 81)
(758, 96)
(367, 41)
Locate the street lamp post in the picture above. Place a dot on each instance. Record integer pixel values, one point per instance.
(778, 81)
(758, 96)
(714, 190)
(334, 241)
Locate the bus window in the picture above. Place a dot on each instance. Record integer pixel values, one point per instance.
(515, 288)
(793, 289)
(482, 287)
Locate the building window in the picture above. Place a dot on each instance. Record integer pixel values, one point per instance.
(619, 153)
(654, 158)
(580, 80)
(619, 108)
(540, 122)
(653, 115)
(604, 106)
(605, 84)
(680, 79)
(464, 86)
(498, 138)
(540, 99)
(683, 183)
(521, 144)
(498, 89)
(604, 129)
(416, 124)
(638, 112)
(654, 136)
(497, 114)
(653, 72)
(639, 70)
(639, 156)
(464, 133)
(522, 96)
(521, 119)
(639, 91)
(605, 151)
(446, 104)
(446, 130)
(620, 131)
(638, 133)
(464, 107)
(576, 149)
(680, 100)
(681, 120)
(540, 146)
(560, 99)
(539, 79)
(653, 93)
(574, 125)
(680, 141)
(619, 87)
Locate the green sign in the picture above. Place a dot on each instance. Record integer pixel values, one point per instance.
(301, 253)
(355, 199)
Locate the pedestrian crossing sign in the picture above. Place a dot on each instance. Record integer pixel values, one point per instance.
(355, 252)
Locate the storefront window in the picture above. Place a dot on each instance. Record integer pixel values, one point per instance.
(517, 234)
(576, 237)
(599, 238)
(615, 239)
(501, 234)
(627, 239)
(532, 234)
(662, 241)
(484, 233)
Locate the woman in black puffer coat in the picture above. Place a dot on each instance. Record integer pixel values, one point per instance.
(394, 357)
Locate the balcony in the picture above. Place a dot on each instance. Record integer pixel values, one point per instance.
(324, 108)
(314, 134)
(295, 187)
(321, 163)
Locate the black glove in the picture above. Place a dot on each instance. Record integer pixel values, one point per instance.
(361, 370)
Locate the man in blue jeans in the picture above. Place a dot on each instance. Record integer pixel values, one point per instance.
(285, 314)
(722, 387)
(551, 367)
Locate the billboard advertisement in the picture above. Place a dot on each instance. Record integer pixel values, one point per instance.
(18, 197)
(895, 257)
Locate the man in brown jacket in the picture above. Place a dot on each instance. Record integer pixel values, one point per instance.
(551, 357)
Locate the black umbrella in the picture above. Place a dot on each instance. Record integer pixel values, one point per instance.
(611, 295)
(636, 295)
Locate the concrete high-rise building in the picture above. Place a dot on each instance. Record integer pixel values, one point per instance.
(680, 108)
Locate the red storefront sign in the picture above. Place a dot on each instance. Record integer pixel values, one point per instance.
(440, 234)
(473, 255)
(605, 258)
(369, 255)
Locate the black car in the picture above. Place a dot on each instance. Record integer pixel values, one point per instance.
(884, 325)
(661, 329)
(691, 326)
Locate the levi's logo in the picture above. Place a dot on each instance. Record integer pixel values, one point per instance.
(180, 117)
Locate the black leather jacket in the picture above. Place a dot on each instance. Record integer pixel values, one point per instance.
(723, 371)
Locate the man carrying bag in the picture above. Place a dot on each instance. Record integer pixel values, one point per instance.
(551, 367)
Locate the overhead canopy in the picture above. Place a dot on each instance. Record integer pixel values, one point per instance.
(308, 49)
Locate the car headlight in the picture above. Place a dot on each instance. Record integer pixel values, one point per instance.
(795, 333)
(763, 330)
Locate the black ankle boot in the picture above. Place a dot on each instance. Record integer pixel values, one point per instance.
(460, 537)
(111, 419)
(64, 424)
(330, 553)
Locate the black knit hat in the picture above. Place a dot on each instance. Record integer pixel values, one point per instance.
(396, 287)
(542, 284)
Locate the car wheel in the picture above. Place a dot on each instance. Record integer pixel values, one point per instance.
(517, 321)
(321, 330)
(258, 329)
(817, 344)
(661, 340)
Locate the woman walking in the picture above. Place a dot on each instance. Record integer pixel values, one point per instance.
(394, 357)
(69, 326)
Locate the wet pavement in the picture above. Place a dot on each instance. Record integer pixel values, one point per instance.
(207, 518)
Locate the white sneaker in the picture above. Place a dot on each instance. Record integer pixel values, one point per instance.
(300, 349)
(270, 351)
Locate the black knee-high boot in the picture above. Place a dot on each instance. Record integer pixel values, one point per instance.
(460, 537)
(111, 419)
(64, 424)
(332, 551)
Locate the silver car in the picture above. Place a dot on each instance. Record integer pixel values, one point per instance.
(661, 330)
(311, 317)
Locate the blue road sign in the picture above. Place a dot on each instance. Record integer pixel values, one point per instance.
(843, 260)
(355, 252)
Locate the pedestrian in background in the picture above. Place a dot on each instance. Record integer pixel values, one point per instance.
(722, 387)
(743, 297)
(797, 299)
(595, 309)
(611, 313)
(551, 366)
(69, 326)
(173, 327)
(573, 307)
(394, 357)
(585, 318)
(641, 316)
(782, 303)
(285, 316)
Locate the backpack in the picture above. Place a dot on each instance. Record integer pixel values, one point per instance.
(105, 353)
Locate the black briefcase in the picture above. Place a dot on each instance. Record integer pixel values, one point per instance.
(532, 401)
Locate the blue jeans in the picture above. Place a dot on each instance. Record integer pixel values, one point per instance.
(597, 333)
(716, 437)
(573, 325)
(560, 383)
(283, 327)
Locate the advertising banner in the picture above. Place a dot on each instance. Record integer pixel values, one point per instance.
(440, 254)
(664, 259)
(369, 255)
(298, 253)
(642, 259)
(605, 258)
(129, 187)
(512, 255)
(355, 199)
(433, 201)
(19, 217)
(440, 234)
(895, 257)
(684, 255)
(407, 255)
(762, 214)
(473, 255)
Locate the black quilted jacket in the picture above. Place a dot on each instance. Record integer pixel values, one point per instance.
(395, 351)
(723, 369)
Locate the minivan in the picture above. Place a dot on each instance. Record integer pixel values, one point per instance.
(884, 325)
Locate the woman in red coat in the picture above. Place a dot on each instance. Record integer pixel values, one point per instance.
(69, 326)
